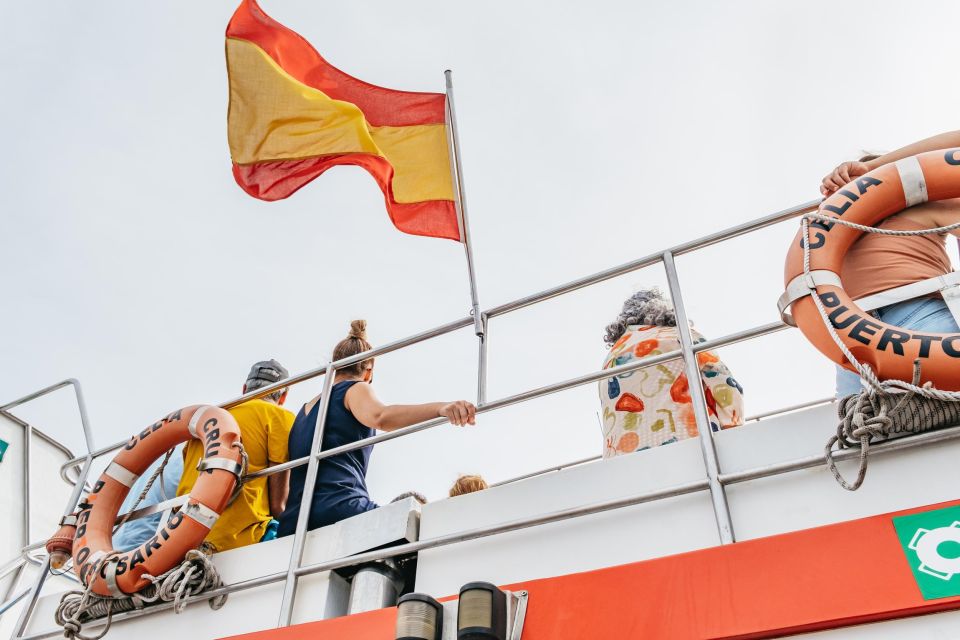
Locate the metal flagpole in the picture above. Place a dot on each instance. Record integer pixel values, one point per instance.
(463, 222)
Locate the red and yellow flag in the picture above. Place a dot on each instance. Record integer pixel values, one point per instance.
(293, 115)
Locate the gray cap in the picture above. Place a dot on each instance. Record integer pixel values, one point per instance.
(264, 373)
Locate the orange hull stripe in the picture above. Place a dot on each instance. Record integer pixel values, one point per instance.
(791, 583)
(280, 179)
(380, 106)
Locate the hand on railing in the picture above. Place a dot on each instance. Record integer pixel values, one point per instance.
(459, 413)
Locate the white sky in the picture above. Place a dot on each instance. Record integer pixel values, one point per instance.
(593, 133)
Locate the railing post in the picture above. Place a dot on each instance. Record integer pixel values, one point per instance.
(306, 501)
(707, 446)
(27, 612)
(27, 460)
(482, 360)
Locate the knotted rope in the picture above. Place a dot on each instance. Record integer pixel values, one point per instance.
(868, 417)
(192, 577)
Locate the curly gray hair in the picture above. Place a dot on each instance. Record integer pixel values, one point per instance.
(647, 306)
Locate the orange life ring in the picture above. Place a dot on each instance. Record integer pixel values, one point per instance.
(116, 573)
(889, 350)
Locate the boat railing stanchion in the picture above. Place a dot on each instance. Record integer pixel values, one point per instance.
(74, 498)
(27, 613)
(306, 502)
(482, 360)
(708, 447)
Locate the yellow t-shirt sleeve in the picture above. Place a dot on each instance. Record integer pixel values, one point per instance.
(278, 434)
(192, 453)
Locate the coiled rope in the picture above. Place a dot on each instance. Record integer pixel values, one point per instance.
(193, 576)
(876, 413)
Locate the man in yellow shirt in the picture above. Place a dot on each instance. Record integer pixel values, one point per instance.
(264, 430)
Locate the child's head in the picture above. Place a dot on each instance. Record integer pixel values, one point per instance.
(467, 484)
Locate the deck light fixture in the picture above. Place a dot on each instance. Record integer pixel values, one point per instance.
(482, 612)
(419, 617)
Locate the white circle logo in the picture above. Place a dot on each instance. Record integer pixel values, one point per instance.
(926, 542)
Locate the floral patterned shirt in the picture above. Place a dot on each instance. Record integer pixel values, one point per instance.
(652, 406)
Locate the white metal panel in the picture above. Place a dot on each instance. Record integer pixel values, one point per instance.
(11, 498)
(616, 537)
(49, 493)
(777, 439)
(811, 498)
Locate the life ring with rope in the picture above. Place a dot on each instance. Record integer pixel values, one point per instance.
(890, 351)
(88, 534)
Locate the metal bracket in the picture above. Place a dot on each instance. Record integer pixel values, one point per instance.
(203, 514)
(951, 295)
(516, 613)
(913, 290)
(226, 464)
(804, 285)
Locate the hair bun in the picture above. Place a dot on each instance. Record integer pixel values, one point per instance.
(358, 329)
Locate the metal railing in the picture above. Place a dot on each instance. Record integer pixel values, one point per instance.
(29, 431)
(17, 565)
(714, 481)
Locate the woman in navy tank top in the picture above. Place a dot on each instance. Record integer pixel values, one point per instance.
(354, 414)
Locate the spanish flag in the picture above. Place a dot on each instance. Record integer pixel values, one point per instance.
(293, 115)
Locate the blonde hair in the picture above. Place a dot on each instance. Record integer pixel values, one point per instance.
(354, 343)
(467, 484)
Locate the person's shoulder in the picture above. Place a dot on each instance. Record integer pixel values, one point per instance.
(358, 386)
(274, 410)
(258, 410)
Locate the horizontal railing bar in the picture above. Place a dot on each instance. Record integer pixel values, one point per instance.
(354, 359)
(36, 394)
(653, 258)
(740, 336)
(810, 462)
(313, 373)
(491, 406)
(14, 600)
(12, 566)
(503, 402)
(60, 447)
(795, 407)
(483, 408)
(537, 392)
(747, 227)
(151, 509)
(38, 432)
(542, 472)
(576, 463)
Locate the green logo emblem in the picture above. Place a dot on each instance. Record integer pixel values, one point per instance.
(931, 542)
